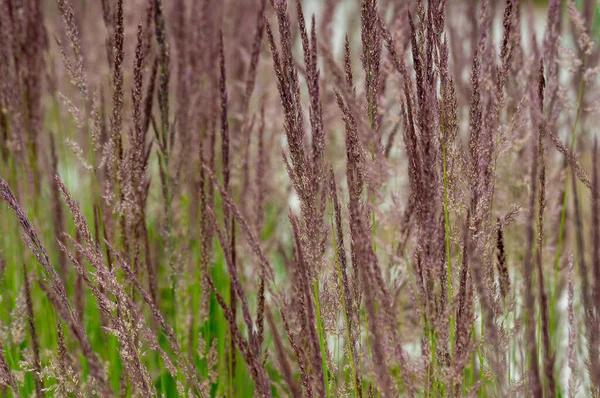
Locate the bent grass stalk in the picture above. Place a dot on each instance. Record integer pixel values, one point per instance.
(563, 213)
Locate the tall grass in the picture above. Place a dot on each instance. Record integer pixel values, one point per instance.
(205, 198)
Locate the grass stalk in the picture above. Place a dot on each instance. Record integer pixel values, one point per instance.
(322, 336)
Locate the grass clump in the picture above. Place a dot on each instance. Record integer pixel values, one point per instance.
(209, 199)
